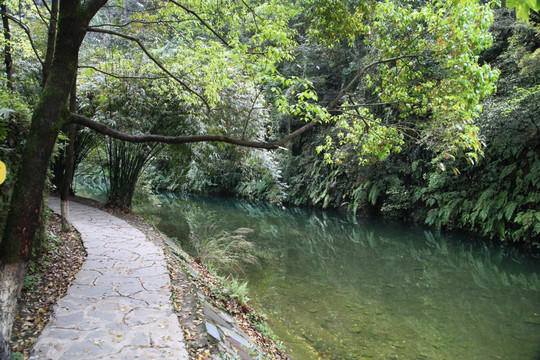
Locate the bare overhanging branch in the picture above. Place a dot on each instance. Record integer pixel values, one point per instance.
(28, 33)
(183, 139)
(201, 20)
(132, 22)
(38, 11)
(121, 76)
(155, 61)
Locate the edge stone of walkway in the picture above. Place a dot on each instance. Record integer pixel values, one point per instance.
(119, 304)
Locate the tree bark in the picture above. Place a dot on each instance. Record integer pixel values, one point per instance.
(182, 139)
(51, 40)
(69, 165)
(7, 48)
(11, 280)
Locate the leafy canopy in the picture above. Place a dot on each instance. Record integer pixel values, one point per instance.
(421, 69)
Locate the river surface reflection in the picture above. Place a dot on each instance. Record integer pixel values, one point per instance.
(338, 287)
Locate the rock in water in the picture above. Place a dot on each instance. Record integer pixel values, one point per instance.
(243, 231)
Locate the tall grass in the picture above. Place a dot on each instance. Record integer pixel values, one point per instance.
(226, 252)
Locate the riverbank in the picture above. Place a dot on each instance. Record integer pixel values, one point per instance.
(208, 331)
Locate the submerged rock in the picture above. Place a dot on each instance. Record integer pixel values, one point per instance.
(533, 320)
(243, 231)
(355, 329)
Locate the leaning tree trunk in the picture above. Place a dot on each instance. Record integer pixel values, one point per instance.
(67, 178)
(27, 197)
(69, 167)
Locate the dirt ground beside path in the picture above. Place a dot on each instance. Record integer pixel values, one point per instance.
(48, 279)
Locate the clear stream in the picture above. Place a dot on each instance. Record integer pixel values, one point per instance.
(338, 287)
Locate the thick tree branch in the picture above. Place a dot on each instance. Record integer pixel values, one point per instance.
(104, 129)
(155, 61)
(296, 133)
(121, 76)
(91, 7)
(131, 22)
(204, 23)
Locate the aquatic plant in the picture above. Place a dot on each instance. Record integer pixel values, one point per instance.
(225, 252)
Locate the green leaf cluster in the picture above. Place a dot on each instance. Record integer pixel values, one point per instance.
(421, 64)
(523, 7)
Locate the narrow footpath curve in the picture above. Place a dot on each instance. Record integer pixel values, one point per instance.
(119, 304)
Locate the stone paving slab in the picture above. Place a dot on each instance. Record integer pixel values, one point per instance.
(119, 304)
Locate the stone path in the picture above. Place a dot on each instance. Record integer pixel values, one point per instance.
(118, 306)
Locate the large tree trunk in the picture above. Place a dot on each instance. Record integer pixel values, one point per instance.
(48, 117)
(46, 121)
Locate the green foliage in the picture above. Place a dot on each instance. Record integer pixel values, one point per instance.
(332, 21)
(17, 356)
(523, 7)
(12, 109)
(503, 202)
(14, 125)
(433, 81)
(226, 252)
(248, 173)
(233, 288)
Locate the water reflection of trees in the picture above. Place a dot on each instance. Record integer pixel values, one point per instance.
(319, 241)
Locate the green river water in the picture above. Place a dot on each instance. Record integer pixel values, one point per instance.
(338, 287)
